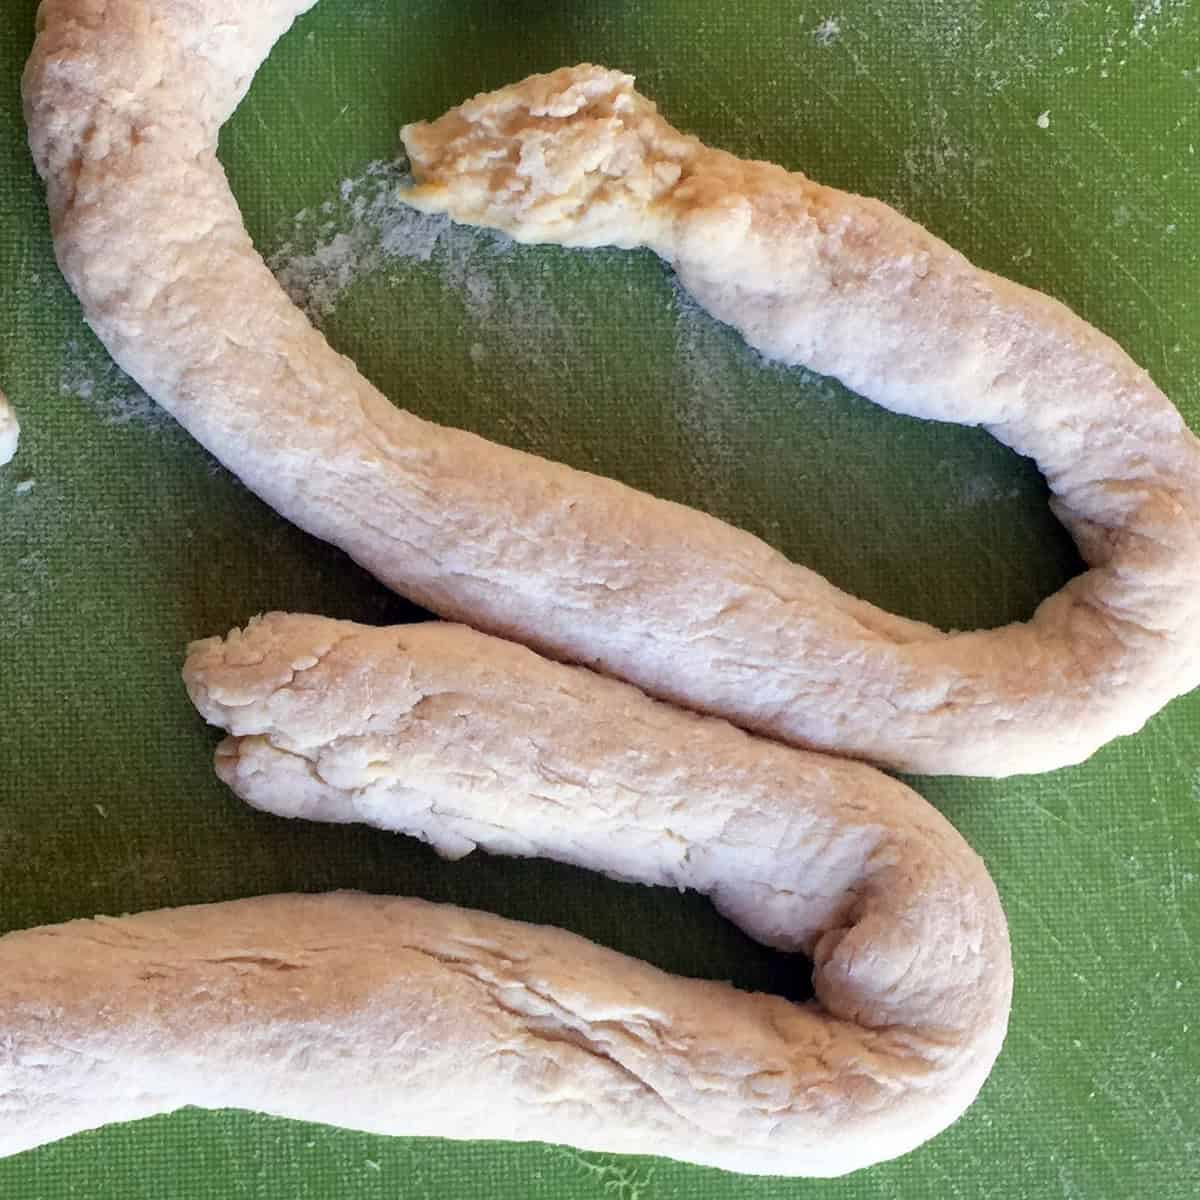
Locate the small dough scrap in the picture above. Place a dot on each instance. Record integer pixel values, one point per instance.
(10, 431)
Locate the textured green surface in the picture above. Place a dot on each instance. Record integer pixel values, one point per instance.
(132, 541)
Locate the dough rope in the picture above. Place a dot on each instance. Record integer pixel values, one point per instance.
(10, 432)
(402, 1017)
(124, 101)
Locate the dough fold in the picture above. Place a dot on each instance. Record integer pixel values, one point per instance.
(124, 101)
(400, 1017)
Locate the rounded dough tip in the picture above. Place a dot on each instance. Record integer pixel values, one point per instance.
(10, 432)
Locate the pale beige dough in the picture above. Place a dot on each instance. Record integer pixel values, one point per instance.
(124, 102)
(406, 1018)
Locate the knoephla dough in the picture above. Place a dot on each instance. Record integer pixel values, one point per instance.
(124, 101)
(465, 740)
(10, 431)
(848, 287)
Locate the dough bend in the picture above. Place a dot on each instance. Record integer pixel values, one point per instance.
(850, 288)
(124, 100)
(464, 740)
(10, 431)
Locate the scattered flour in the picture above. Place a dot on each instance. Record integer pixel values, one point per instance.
(88, 374)
(984, 490)
(828, 31)
(364, 231)
(1143, 15)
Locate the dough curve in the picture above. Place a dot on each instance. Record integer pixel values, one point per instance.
(124, 102)
(395, 1016)
(465, 740)
(848, 287)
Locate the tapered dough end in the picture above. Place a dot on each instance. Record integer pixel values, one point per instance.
(10, 432)
(575, 157)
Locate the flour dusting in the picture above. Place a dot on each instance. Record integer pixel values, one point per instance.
(1144, 15)
(88, 374)
(985, 490)
(828, 31)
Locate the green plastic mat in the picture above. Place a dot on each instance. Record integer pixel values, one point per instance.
(1054, 142)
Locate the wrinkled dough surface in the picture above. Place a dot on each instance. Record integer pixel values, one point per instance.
(400, 1017)
(124, 103)
(465, 740)
(395, 1016)
(848, 287)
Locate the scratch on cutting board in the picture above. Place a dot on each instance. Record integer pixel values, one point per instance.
(617, 1181)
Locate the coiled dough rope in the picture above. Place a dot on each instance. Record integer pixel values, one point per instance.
(124, 100)
(850, 288)
(401, 1017)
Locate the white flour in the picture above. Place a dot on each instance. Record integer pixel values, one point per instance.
(828, 31)
(365, 229)
(88, 374)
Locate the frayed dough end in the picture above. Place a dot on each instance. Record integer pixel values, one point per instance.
(576, 157)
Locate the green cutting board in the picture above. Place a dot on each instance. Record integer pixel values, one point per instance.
(131, 541)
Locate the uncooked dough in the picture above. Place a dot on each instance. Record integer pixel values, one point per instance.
(584, 568)
(465, 740)
(10, 431)
(400, 1017)
(124, 102)
(395, 1016)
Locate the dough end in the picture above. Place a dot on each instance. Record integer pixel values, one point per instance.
(576, 157)
(10, 432)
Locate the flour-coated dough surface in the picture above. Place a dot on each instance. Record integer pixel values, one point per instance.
(400, 1017)
(124, 101)
(466, 741)
(848, 287)
(395, 1016)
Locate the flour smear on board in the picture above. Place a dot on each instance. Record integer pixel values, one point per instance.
(366, 229)
(87, 374)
